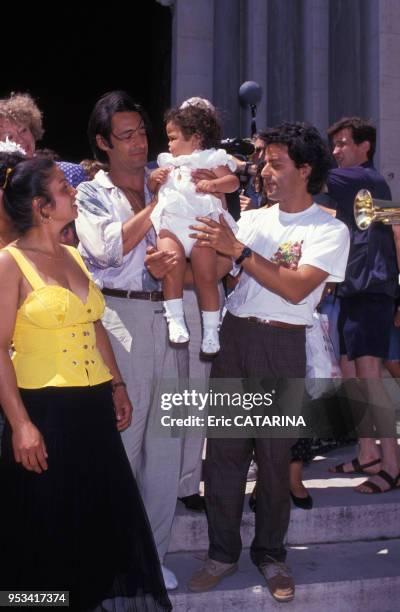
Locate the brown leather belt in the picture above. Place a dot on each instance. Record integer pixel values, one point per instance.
(280, 324)
(151, 296)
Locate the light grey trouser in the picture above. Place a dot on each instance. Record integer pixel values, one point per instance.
(138, 335)
(198, 371)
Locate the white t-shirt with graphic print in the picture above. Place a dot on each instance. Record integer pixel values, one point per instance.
(311, 237)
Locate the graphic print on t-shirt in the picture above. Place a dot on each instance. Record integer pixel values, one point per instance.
(288, 254)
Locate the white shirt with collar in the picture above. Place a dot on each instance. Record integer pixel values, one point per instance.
(103, 208)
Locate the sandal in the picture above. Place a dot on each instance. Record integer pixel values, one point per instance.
(393, 483)
(358, 468)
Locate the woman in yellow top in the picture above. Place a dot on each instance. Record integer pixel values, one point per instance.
(71, 517)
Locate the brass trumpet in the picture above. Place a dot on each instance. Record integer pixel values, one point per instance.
(368, 210)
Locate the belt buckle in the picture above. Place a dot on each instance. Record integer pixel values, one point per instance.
(266, 322)
(262, 321)
(128, 293)
(156, 296)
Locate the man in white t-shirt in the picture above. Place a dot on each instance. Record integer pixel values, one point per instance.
(287, 254)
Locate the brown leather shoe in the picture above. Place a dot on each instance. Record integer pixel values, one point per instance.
(279, 580)
(210, 575)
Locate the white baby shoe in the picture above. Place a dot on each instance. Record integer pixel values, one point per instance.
(210, 343)
(178, 333)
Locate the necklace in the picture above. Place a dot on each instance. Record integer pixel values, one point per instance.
(135, 198)
(57, 257)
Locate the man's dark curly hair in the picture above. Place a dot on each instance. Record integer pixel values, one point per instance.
(305, 146)
(195, 120)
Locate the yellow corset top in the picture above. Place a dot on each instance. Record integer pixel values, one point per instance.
(54, 339)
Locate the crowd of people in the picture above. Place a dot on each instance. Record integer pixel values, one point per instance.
(89, 335)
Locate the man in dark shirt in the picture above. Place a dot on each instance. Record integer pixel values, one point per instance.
(368, 292)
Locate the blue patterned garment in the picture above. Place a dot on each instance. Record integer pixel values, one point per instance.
(74, 173)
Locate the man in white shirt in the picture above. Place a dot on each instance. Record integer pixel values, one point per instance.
(287, 254)
(114, 229)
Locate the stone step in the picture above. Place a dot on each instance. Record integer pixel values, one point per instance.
(339, 513)
(344, 577)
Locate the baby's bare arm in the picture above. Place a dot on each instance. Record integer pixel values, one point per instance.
(225, 182)
(157, 178)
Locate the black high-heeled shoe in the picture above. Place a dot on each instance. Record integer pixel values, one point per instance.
(305, 503)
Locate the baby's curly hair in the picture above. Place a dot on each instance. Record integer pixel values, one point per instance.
(22, 109)
(195, 120)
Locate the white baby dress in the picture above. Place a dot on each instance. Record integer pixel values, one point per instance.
(178, 201)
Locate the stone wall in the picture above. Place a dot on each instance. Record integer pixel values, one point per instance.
(316, 60)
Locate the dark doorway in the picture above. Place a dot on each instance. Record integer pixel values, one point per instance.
(67, 55)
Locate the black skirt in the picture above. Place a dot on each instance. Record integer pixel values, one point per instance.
(81, 526)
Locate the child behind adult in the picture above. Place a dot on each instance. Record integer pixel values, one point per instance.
(193, 137)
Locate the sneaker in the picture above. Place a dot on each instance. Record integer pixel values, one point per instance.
(210, 343)
(177, 331)
(278, 579)
(210, 575)
(170, 580)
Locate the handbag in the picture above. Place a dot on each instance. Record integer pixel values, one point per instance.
(322, 367)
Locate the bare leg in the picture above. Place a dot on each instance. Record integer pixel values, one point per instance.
(204, 265)
(393, 367)
(369, 370)
(173, 281)
(368, 450)
(173, 290)
(296, 479)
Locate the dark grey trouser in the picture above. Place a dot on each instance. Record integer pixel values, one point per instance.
(251, 350)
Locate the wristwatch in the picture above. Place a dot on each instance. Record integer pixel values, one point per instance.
(245, 253)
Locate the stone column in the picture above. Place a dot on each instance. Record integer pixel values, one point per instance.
(316, 62)
(192, 50)
(227, 63)
(255, 59)
(388, 85)
(285, 61)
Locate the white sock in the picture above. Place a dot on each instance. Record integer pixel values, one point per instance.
(210, 319)
(174, 308)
